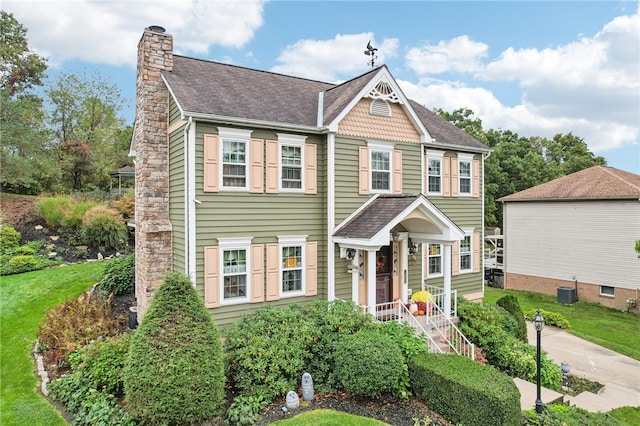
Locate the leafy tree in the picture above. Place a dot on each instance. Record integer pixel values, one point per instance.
(174, 370)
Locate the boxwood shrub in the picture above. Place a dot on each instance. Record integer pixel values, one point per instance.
(119, 275)
(465, 391)
(174, 370)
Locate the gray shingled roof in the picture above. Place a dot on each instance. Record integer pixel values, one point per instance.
(375, 216)
(211, 88)
(594, 183)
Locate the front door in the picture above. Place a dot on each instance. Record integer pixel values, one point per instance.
(383, 275)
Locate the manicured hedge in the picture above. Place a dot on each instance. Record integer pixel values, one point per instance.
(464, 391)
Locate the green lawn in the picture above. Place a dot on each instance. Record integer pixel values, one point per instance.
(606, 327)
(23, 301)
(328, 418)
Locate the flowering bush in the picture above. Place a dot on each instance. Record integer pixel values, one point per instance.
(422, 296)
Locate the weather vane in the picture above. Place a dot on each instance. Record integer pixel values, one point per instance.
(371, 51)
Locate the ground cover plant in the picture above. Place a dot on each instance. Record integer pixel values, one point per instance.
(16, 258)
(23, 301)
(590, 321)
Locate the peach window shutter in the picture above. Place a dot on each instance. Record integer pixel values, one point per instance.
(455, 258)
(257, 167)
(311, 273)
(455, 184)
(272, 167)
(273, 272)
(311, 169)
(257, 273)
(364, 170)
(476, 252)
(211, 165)
(397, 172)
(211, 277)
(475, 185)
(446, 177)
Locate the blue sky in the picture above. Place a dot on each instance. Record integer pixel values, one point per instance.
(535, 68)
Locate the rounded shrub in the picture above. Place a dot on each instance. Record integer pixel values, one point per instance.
(511, 304)
(23, 263)
(174, 370)
(368, 363)
(119, 275)
(103, 227)
(9, 237)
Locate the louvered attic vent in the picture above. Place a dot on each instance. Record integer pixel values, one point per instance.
(380, 107)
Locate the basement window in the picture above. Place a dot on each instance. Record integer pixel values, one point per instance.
(606, 290)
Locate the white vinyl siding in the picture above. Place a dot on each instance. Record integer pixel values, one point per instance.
(591, 240)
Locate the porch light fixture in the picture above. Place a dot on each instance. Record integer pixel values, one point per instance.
(413, 248)
(396, 236)
(351, 254)
(538, 324)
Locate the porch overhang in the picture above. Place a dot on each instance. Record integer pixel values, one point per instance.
(370, 227)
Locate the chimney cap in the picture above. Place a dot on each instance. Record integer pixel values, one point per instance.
(156, 28)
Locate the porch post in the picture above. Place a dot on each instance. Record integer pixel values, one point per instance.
(355, 276)
(371, 280)
(446, 270)
(403, 269)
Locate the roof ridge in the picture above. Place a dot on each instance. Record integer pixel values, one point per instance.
(610, 170)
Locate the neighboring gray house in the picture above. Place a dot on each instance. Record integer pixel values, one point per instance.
(268, 189)
(578, 231)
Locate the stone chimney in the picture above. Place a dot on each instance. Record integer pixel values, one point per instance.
(151, 144)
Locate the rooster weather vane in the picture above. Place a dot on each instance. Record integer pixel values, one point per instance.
(371, 51)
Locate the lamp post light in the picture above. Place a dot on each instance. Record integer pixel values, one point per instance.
(538, 324)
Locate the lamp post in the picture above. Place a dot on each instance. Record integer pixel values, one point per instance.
(538, 324)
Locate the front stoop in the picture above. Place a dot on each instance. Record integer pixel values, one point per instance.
(528, 394)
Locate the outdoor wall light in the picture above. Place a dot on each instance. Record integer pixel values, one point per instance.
(395, 235)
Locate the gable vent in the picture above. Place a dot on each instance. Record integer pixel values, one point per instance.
(380, 107)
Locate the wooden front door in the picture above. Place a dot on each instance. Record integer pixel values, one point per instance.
(384, 280)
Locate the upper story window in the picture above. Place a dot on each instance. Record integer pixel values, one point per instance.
(380, 166)
(292, 165)
(434, 172)
(235, 263)
(466, 264)
(292, 251)
(234, 144)
(435, 260)
(465, 174)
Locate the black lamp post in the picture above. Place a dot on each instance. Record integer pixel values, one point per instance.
(538, 324)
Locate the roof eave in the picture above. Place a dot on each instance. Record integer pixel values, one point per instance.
(455, 147)
(262, 124)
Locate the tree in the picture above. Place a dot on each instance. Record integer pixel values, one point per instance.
(174, 371)
(24, 159)
(21, 68)
(86, 110)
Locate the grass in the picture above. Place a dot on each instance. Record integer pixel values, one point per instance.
(324, 417)
(23, 301)
(610, 328)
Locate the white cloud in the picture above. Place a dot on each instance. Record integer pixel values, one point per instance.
(327, 60)
(459, 54)
(108, 32)
(590, 87)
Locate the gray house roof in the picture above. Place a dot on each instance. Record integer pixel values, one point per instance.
(216, 90)
(594, 183)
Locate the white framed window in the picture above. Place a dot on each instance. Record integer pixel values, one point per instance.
(434, 172)
(466, 253)
(292, 265)
(435, 260)
(234, 152)
(291, 162)
(380, 166)
(235, 261)
(465, 163)
(608, 291)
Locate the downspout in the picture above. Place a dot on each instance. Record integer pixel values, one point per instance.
(190, 201)
(481, 251)
(331, 221)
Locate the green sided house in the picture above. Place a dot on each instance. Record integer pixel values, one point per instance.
(268, 189)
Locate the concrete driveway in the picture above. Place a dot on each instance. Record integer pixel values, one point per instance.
(619, 374)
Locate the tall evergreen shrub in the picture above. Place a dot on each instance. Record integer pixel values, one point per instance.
(174, 371)
(511, 304)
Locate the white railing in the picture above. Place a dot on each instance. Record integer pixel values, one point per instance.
(443, 325)
(397, 311)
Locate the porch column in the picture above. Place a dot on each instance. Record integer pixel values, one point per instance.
(371, 280)
(446, 270)
(403, 269)
(355, 276)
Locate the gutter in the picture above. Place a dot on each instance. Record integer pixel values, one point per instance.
(257, 123)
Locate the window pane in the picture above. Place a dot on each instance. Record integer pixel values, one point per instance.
(235, 262)
(465, 261)
(434, 183)
(291, 155)
(465, 185)
(379, 160)
(465, 253)
(233, 164)
(291, 257)
(235, 286)
(435, 265)
(291, 268)
(380, 180)
(465, 245)
(292, 280)
(465, 169)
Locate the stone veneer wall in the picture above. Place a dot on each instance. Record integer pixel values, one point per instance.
(586, 292)
(151, 143)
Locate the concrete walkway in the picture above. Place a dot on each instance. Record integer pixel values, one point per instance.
(619, 374)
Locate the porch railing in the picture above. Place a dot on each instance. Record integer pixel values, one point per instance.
(443, 325)
(397, 311)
